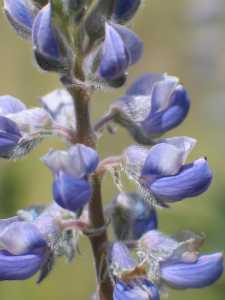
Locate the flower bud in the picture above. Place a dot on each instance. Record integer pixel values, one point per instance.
(120, 257)
(115, 60)
(49, 49)
(20, 14)
(121, 49)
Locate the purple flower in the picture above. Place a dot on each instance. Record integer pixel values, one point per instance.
(132, 216)
(125, 10)
(71, 188)
(161, 170)
(20, 14)
(202, 273)
(31, 241)
(153, 105)
(121, 49)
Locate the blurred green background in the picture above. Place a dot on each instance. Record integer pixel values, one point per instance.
(183, 38)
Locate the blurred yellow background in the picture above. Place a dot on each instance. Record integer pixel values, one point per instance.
(183, 38)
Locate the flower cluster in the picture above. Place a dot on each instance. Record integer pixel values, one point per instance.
(89, 45)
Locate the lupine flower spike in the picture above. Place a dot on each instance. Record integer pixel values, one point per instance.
(89, 46)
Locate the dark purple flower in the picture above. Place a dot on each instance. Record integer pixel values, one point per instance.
(125, 10)
(132, 216)
(161, 170)
(153, 105)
